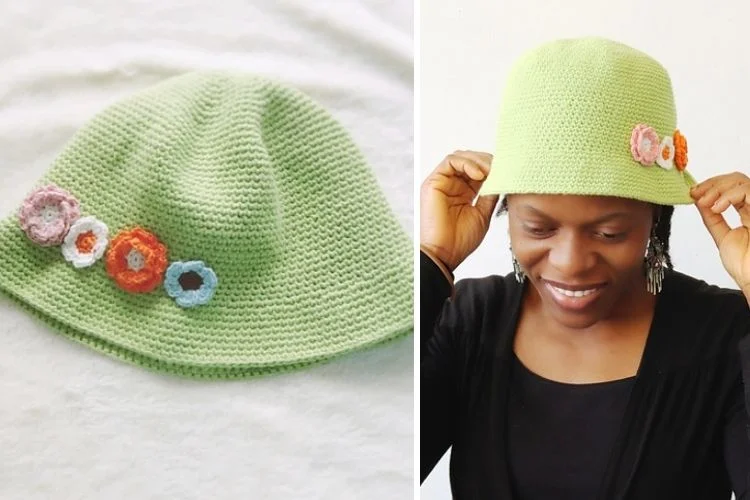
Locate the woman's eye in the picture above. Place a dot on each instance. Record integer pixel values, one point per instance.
(538, 231)
(611, 236)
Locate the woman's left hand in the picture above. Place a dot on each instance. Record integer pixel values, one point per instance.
(713, 197)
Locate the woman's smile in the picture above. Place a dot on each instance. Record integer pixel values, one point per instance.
(573, 298)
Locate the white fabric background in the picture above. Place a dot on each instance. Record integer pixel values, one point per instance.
(467, 47)
(77, 425)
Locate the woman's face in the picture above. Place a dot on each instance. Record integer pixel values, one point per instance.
(583, 254)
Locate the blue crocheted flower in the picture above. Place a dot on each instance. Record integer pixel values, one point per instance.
(190, 283)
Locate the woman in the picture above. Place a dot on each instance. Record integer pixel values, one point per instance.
(594, 371)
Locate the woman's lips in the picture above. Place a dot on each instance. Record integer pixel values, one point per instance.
(573, 297)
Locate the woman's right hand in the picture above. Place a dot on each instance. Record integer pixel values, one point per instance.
(450, 227)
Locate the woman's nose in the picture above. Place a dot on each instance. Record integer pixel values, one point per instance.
(571, 255)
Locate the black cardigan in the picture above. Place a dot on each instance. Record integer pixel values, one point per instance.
(671, 441)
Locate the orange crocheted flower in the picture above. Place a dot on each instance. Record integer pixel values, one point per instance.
(680, 151)
(136, 260)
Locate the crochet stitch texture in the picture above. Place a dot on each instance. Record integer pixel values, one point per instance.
(566, 119)
(261, 184)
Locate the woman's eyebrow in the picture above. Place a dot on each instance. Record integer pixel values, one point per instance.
(605, 218)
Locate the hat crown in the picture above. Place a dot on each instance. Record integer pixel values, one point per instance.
(210, 163)
(584, 95)
(566, 119)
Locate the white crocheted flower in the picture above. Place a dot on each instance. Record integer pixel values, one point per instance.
(85, 242)
(665, 159)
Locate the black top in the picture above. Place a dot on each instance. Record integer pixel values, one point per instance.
(680, 433)
(562, 433)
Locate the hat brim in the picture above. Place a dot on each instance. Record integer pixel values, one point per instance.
(631, 181)
(236, 337)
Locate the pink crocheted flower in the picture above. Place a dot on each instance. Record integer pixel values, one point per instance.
(47, 214)
(644, 144)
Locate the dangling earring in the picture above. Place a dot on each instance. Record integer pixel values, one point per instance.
(655, 262)
(520, 275)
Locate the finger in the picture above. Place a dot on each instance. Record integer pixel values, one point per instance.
(454, 186)
(451, 183)
(718, 186)
(715, 223)
(719, 182)
(709, 198)
(459, 187)
(699, 190)
(702, 188)
(454, 164)
(484, 160)
(486, 206)
(739, 198)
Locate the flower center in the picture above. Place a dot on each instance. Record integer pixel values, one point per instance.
(666, 152)
(190, 280)
(136, 260)
(85, 242)
(646, 144)
(50, 213)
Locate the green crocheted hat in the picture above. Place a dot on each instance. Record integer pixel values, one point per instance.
(216, 226)
(590, 117)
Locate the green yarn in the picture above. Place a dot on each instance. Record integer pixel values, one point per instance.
(261, 184)
(566, 119)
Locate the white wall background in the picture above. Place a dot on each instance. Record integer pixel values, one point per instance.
(467, 47)
(75, 424)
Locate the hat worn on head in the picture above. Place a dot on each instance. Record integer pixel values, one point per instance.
(215, 225)
(590, 117)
